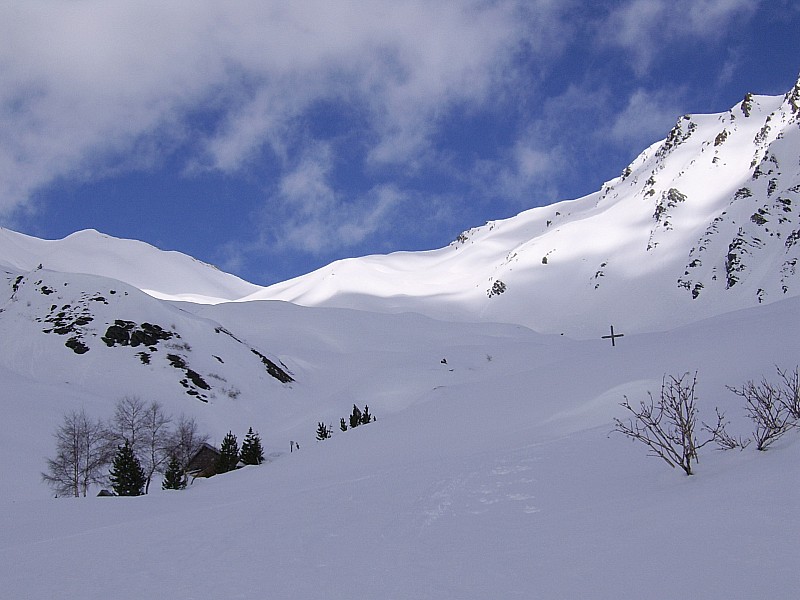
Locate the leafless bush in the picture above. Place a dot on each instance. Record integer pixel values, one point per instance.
(767, 405)
(790, 396)
(722, 438)
(666, 426)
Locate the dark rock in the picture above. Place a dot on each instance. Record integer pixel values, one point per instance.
(273, 369)
(76, 345)
(116, 334)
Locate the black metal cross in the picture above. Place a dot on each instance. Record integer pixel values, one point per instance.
(613, 336)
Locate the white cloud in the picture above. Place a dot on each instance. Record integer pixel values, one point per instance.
(92, 88)
(313, 218)
(529, 173)
(372, 216)
(647, 117)
(85, 81)
(643, 27)
(585, 128)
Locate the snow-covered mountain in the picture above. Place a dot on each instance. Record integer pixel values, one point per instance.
(703, 222)
(162, 274)
(490, 471)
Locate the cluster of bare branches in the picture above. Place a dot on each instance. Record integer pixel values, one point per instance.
(774, 408)
(720, 435)
(85, 446)
(146, 428)
(667, 425)
(81, 454)
(790, 396)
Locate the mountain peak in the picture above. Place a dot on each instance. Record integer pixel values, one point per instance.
(792, 97)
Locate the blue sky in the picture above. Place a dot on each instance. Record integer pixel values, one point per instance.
(271, 138)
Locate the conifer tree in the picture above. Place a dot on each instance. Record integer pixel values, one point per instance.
(342, 424)
(355, 417)
(229, 454)
(252, 452)
(365, 416)
(173, 478)
(323, 431)
(126, 475)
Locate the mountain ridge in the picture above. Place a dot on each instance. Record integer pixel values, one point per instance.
(714, 191)
(705, 220)
(161, 273)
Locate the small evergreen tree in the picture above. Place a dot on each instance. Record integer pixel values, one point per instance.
(229, 454)
(365, 416)
(355, 417)
(126, 475)
(342, 424)
(252, 452)
(323, 431)
(173, 478)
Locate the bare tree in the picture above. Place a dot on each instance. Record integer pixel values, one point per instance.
(81, 455)
(767, 407)
(155, 450)
(186, 440)
(666, 426)
(146, 429)
(128, 423)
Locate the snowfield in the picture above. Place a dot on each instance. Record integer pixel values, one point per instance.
(481, 478)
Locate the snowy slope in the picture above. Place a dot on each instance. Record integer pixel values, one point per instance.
(89, 328)
(481, 478)
(73, 340)
(159, 273)
(703, 222)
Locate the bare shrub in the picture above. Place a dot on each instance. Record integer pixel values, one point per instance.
(790, 396)
(766, 406)
(722, 438)
(666, 426)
